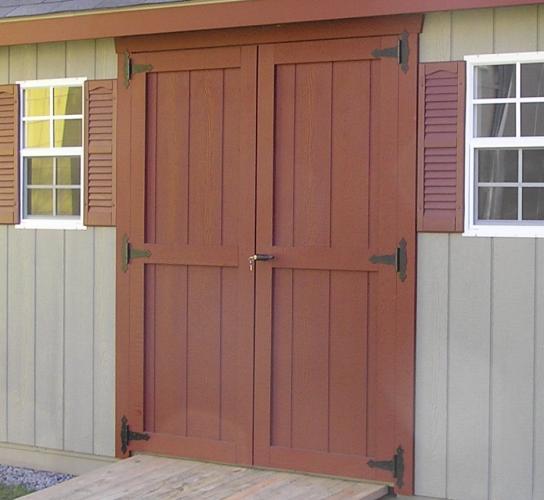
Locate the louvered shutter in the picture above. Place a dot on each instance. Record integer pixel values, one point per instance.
(441, 138)
(100, 123)
(9, 154)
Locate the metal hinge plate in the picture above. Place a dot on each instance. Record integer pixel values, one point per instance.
(127, 435)
(395, 466)
(131, 69)
(401, 52)
(399, 259)
(129, 253)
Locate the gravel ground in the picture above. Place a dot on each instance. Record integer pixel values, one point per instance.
(29, 478)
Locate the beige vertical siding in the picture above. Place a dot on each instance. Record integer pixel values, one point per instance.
(57, 292)
(480, 320)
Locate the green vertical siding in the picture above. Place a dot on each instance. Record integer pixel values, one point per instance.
(57, 300)
(480, 325)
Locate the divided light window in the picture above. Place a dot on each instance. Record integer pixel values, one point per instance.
(51, 156)
(505, 145)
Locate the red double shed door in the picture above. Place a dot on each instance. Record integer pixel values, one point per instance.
(301, 151)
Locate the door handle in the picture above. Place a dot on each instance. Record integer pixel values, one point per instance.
(398, 259)
(129, 253)
(258, 256)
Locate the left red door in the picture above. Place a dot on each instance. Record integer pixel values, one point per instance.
(185, 313)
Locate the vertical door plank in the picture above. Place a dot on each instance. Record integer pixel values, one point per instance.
(313, 154)
(284, 157)
(516, 29)
(435, 39)
(170, 349)
(348, 363)
(231, 158)
(469, 361)
(21, 335)
(404, 339)
(170, 103)
(472, 33)
(206, 157)
(538, 466)
(204, 352)
(246, 246)
(80, 58)
(22, 63)
(229, 350)
(79, 341)
(4, 273)
(512, 370)
(122, 280)
(50, 339)
(150, 343)
(350, 138)
(282, 357)
(432, 365)
(51, 59)
(106, 59)
(104, 341)
(264, 238)
(311, 299)
(385, 178)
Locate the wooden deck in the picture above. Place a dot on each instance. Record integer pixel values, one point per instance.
(149, 477)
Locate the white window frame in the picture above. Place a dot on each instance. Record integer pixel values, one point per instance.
(529, 229)
(50, 222)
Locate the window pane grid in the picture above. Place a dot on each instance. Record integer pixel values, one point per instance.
(495, 101)
(54, 188)
(70, 124)
(502, 190)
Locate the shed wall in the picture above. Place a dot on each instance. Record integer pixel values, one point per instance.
(57, 300)
(480, 323)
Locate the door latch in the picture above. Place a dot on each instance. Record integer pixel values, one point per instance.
(256, 257)
(129, 253)
(399, 259)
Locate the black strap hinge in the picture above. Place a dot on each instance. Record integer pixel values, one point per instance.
(395, 466)
(132, 68)
(127, 435)
(401, 52)
(399, 259)
(129, 253)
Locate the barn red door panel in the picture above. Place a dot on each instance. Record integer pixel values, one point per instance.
(194, 212)
(328, 398)
(304, 151)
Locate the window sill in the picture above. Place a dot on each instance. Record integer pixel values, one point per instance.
(505, 232)
(51, 224)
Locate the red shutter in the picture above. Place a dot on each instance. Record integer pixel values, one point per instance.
(9, 149)
(100, 123)
(441, 147)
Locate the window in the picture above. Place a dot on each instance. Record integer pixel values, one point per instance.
(505, 145)
(51, 154)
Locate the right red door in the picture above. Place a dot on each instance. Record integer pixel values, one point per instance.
(334, 309)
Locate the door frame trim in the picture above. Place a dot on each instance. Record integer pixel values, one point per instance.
(321, 30)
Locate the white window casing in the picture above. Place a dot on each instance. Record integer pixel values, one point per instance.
(510, 227)
(50, 221)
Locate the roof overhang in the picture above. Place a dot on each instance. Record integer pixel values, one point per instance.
(216, 14)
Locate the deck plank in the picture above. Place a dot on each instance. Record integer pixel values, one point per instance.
(159, 478)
